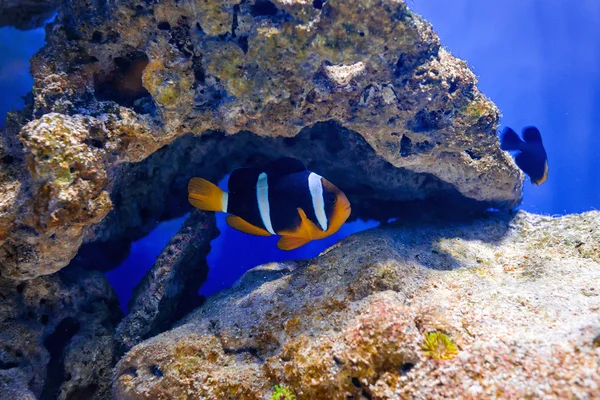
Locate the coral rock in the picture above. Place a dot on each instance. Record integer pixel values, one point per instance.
(56, 336)
(118, 81)
(513, 294)
(168, 290)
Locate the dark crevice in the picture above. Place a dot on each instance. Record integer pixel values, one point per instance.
(164, 26)
(318, 4)
(472, 154)
(8, 365)
(21, 287)
(405, 146)
(55, 343)
(243, 43)
(130, 371)
(263, 8)
(234, 23)
(156, 371)
(124, 86)
(96, 143)
(97, 37)
(70, 28)
(406, 368)
(426, 121)
(405, 64)
(250, 350)
(102, 255)
(453, 86)
(199, 73)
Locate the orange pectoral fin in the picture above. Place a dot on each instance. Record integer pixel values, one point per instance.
(305, 232)
(291, 242)
(302, 230)
(246, 227)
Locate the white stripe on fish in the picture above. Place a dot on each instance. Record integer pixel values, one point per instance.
(262, 195)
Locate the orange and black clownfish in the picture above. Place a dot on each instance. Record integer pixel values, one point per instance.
(282, 199)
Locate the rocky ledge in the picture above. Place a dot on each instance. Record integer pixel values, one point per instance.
(350, 87)
(509, 306)
(26, 14)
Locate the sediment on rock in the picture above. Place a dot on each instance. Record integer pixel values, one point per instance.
(118, 81)
(514, 294)
(56, 336)
(170, 289)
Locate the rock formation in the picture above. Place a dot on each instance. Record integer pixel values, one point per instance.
(56, 336)
(26, 14)
(131, 99)
(120, 80)
(517, 297)
(170, 289)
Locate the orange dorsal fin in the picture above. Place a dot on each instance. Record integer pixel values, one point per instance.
(246, 227)
(206, 196)
(291, 242)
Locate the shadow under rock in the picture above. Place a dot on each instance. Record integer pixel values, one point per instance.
(155, 189)
(436, 244)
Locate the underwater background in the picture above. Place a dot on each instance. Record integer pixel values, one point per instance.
(456, 277)
(537, 60)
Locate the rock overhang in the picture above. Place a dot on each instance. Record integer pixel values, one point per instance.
(126, 80)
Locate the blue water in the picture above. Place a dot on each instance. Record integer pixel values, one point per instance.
(16, 48)
(536, 59)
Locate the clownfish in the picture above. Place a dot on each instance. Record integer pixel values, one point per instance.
(532, 157)
(284, 199)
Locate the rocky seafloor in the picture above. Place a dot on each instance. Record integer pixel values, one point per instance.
(132, 98)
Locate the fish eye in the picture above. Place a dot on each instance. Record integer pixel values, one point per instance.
(332, 198)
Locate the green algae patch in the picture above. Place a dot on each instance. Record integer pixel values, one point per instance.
(439, 346)
(282, 392)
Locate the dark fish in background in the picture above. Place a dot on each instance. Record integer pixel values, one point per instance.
(532, 158)
(282, 199)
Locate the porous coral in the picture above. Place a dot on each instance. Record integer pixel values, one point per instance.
(118, 81)
(352, 321)
(56, 336)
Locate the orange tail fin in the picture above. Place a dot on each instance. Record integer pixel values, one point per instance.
(207, 196)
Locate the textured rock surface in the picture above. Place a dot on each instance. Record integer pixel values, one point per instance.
(170, 289)
(517, 295)
(118, 80)
(26, 14)
(56, 336)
